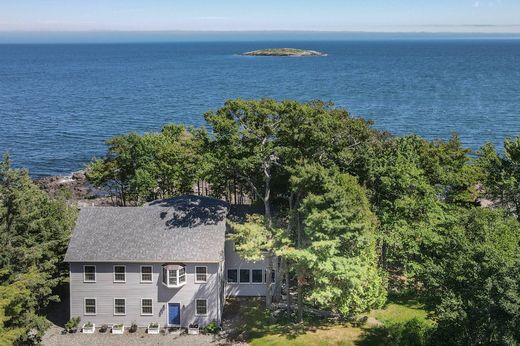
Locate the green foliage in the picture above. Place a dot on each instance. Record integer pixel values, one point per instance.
(413, 332)
(212, 328)
(338, 252)
(471, 279)
(253, 238)
(72, 324)
(501, 181)
(139, 168)
(411, 182)
(34, 232)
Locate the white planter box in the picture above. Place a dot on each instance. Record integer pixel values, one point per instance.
(193, 331)
(88, 329)
(151, 330)
(118, 331)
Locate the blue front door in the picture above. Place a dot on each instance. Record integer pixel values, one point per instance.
(174, 314)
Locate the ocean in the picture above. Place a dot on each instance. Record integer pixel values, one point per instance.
(60, 102)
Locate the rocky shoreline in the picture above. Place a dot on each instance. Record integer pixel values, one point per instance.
(76, 187)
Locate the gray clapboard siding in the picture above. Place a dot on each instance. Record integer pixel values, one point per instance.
(234, 261)
(105, 290)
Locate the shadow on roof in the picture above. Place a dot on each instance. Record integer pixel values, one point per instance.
(191, 211)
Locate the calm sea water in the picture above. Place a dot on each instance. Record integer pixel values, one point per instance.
(58, 103)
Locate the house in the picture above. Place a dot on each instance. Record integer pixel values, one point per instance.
(168, 262)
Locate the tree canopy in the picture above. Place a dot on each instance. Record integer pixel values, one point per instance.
(34, 233)
(349, 212)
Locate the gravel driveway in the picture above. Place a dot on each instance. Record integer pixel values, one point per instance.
(53, 337)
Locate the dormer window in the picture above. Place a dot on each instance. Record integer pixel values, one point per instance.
(173, 275)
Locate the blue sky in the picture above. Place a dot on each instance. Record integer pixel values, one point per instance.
(245, 15)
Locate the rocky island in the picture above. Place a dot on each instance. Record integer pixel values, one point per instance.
(284, 52)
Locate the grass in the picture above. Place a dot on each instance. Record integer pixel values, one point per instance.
(400, 312)
(259, 328)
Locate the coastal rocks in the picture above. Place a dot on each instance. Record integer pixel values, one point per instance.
(284, 52)
(75, 186)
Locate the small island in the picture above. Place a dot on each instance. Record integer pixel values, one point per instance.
(284, 52)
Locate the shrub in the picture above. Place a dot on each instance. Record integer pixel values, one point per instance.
(212, 328)
(414, 332)
(72, 324)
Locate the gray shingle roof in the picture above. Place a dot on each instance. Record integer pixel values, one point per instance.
(182, 229)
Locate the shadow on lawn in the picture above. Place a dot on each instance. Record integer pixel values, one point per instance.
(256, 322)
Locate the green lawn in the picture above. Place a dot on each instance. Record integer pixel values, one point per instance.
(400, 312)
(259, 329)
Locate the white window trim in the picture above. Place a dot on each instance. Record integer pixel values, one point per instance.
(141, 274)
(119, 314)
(201, 281)
(178, 283)
(114, 270)
(207, 308)
(263, 277)
(238, 278)
(143, 314)
(95, 273)
(85, 313)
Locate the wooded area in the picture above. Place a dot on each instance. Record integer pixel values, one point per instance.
(351, 214)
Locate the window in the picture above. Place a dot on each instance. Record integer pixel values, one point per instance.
(119, 274)
(89, 273)
(182, 275)
(232, 276)
(244, 276)
(257, 276)
(173, 275)
(146, 273)
(202, 307)
(90, 306)
(146, 306)
(119, 306)
(201, 274)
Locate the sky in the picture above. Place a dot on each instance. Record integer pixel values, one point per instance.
(271, 15)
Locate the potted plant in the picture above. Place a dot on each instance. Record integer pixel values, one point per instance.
(72, 325)
(193, 329)
(88, 328)
(118, 328)
(153, 328)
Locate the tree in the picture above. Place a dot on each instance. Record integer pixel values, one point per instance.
(337, 257)
(471, 279)
(411, 182)
(257, 143)
(139, 168)
(501, 181)
(34, 232)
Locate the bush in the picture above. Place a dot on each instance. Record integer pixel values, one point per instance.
(414, 332)
(72, 324)
(212, 328)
